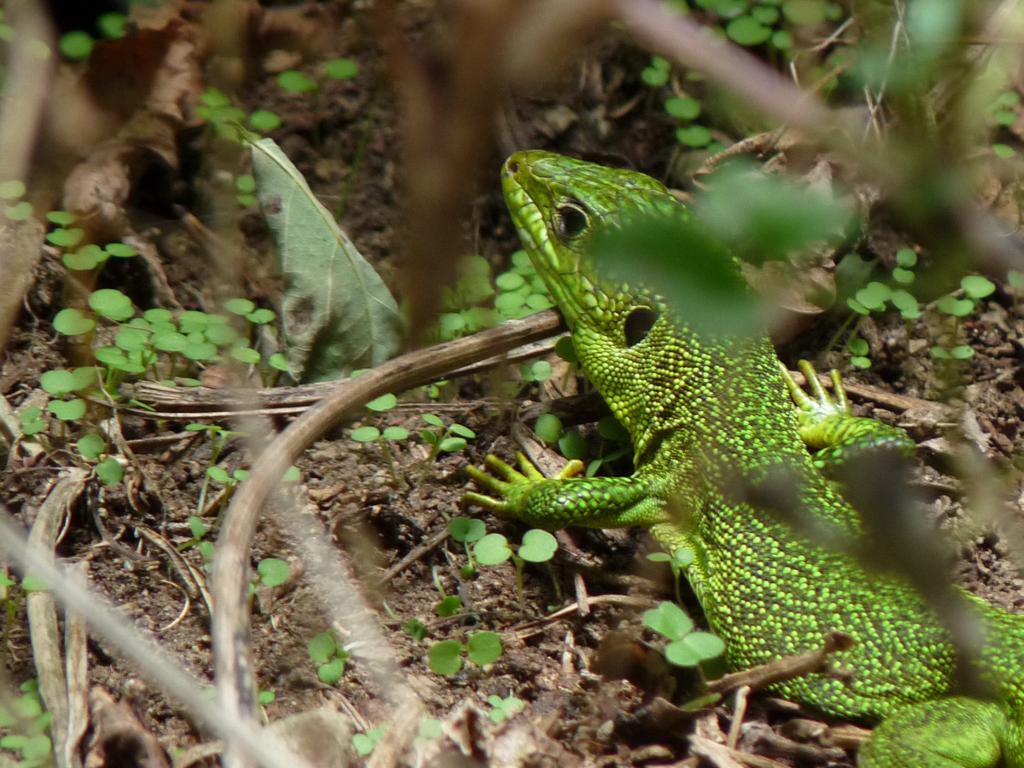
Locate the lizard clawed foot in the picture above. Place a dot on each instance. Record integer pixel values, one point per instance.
(821, 405)
(507, 480)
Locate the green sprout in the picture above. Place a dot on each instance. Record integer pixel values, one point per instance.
(329, 656)
(23, 725)
(197, 526)
(859, 352)
(504, 708)
(416, 629)
(973, 288)
(466, 531)
(450, 439)
(686, 647)
(680, 559)
(538, 546)
(482, 648)
(365, 743)
(273, 572)
(657, 73)
(448, 605)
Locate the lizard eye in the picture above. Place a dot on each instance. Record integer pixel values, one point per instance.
(639, 324)
(570, 221)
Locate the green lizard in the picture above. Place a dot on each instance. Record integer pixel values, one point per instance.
(711, 418)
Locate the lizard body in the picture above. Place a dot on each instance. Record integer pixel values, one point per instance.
(712, 426)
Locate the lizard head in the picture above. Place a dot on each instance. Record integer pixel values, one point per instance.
(623, 337)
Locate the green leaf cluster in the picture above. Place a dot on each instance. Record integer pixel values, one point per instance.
(687, 647)
(482, 648)
(23, 725)
(329, 656)
(480, 300)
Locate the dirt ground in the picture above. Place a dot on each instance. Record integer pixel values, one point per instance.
(595, 687)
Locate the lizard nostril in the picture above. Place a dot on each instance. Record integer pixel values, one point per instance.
(512, 167)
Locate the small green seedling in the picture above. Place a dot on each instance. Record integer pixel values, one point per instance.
(273, 572)
(450, 439)
(538, 546)
(504, 709)
(416, 629)
(199, 530)
(329, 656)
(431, 729)
(973, 288)
(448, 605)
(687, 647)
(859, 352)
(657, 73)
(365, 743)
(23, 726)
(482, 648)
(466, 531)
(382, 437)
(681, 559)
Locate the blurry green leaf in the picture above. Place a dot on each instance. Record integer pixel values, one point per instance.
(783, 39)
(538, 546)
(951, 305)
(110, 471)
(693, 136)
(19, 212)
(322, 647)
(705, 289)
(766, 217)
(492, 549)
(57, 382)
(874, 295)
(694, 648)
(331, 672)
(445, 658)
(341, 69)
(395, 433)
(448, 606)
(977, 286)
(934, 22)
(668, 620)
(466, 529)
(383, 403)
(111, 304)
(264, 120)
(273, 571)
(1005, 151)
(112, 25)
(766, 14)
(683, 108)
(906, 258)
(572, 445)
(857, 345)
(76, 45)
(365, 434)
(120, 250)
(548, 427)
(903, 276)
(804, 12)
(483, 648)
(67, 410)
(294, 81)
(747, 31)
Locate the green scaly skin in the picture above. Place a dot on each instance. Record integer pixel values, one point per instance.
(711, 422)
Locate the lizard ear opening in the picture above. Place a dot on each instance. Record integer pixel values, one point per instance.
(571, 221)
(639, 324)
